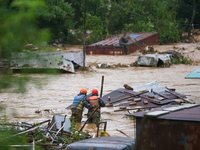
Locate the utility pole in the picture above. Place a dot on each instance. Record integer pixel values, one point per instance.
(84, 47)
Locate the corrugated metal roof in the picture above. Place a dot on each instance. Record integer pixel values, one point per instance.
(114, 41)
(194, 75)
(161, 96)
(104, 143)
(53, 60)
(182, 114)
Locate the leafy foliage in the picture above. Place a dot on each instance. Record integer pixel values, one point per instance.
(58, 17)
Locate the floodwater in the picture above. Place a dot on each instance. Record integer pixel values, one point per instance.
(56, 92)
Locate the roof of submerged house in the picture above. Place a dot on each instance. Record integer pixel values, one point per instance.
(114, 41)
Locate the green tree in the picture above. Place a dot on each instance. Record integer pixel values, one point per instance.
(58, 18)
(17, 28)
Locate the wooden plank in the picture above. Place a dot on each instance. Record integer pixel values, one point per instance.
(187, 100)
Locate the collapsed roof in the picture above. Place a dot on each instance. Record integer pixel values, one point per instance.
(155, 95)
(39, 60)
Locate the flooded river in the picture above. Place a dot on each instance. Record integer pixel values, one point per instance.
(56, 92)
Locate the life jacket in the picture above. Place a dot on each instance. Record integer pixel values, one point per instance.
(94, 100)
(78, 102)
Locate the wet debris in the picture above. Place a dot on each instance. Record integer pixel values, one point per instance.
(56, 133)
(108, 65)
(126, 86)
(163, 59)
(148, 50)
(146, 97)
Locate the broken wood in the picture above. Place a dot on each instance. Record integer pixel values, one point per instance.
(122, 133)
(46, 144)
(102, 81)
(160, 94)
(117, 100)
(187, 100)
(130, 99)
(122, 107)
(150, 96)
(89, 118)
(133, 103)
(137, 99)
(152, 100)
(136, 108)
(29, 130)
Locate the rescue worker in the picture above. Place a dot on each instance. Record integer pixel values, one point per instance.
(123, 41)
(77, 106)
(91, 103)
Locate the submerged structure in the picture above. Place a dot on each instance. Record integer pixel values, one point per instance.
(194, 75)
(64, 61)
(111, 46)
(145, 97)
(168, 127)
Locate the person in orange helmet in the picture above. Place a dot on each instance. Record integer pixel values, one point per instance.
(77, 106)
(91, 103)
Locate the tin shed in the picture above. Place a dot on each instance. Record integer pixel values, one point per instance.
(169, 127)
(111, 46)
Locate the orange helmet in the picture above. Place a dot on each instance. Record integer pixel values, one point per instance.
(84, 91)
(94, 91)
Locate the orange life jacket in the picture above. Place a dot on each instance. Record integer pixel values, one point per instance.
(94, 100)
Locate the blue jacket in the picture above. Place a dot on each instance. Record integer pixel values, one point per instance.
(78, 101)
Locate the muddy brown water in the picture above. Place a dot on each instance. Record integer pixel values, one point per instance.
(56, 92)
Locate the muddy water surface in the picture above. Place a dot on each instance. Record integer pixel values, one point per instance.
(56, 92)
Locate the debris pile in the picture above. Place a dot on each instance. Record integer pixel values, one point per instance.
(108, 65)
(145, 97)
(148, 50)
(58, 133)
(154, 60)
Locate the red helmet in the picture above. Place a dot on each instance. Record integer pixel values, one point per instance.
(94, 91)
(84, 91)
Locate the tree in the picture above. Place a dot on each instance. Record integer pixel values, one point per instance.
(17, 28)
(58, 17)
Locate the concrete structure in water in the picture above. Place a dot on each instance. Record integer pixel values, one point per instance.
(111, 46)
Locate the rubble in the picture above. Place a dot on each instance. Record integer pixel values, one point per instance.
(154, 60)
(148, 50)
(108, 65)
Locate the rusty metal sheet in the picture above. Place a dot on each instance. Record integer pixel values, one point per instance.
(154, 134)
(104, 143)
(115, 40)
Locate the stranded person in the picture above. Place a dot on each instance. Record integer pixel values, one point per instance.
(91, 103)
(123, 41)
(77, 106)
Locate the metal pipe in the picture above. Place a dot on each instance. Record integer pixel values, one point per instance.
(105, 126)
